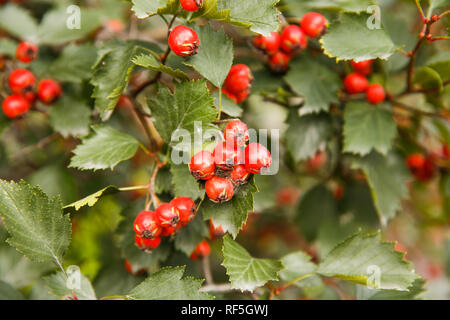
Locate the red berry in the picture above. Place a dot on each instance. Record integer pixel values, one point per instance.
(183, 41)
(146, 225)
(257, 157)
(186, 208)
(202, 165)
(355, 83)
(191, 5)
(317, 161)
(215, 231)
(219, 189)
(21, 81)
(293, 39)
(287, 196)
(421, 167)
(201, 251)
(375, 94)
(363, 67)
(445, 151)
(230, 95)
(168, 216)
(239, 175)
(279, 62)
(238, 79)
(48, 91)
(268, 44)
(15, 105)
(115, 25)
(313, 24)
(26, 52)
(129, 269)
(237, 131)
(241, 96)
(147, 244)
(226, 155)
(167, 231)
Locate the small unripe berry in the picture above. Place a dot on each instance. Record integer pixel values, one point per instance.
(146, 225)
(168, 216)
(313, 24)
(201, 251)
(219, 189)
(147, 244)
(202, 165)
(237, 131)
(186, 209)
(215, 231)
(183, 41)
(355, 83)
(293, 39)
(26, 52)
(279, 62)
(48, 91)
(268, 44)
(226, 155)
(15, 105)
(21, 81)
(257, 157)
(239, 79)
(191, 5)
(239, 175)
(375, 94)
(363, 67)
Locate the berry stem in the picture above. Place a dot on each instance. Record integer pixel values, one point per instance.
(220, 105)
(419, 8)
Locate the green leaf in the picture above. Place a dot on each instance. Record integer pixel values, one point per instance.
(366, 260)
(57, 285)
(149, 61)
(428, 78)
(190, 103)
(351, 39)
(232, 214)
(307, 134)
(315, 82)
(70, 117)
(299, 8)
(297, 264)
(228, 105)
(191, 235)
(247, 273)
(387, 179)
(168, 284)
(147, 8)
(8, 47)
(215, 55)
(367, 128)
(184, 184)
(104, 149)
(414, 290)
(37, 227)
(8, 292)
(92, 199)
(440, 62)
(18, 22)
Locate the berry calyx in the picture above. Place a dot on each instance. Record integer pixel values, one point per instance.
(421, 167)
(226, 155)
(186, 208)
(355, 83)
(191, 5)
(313, 24)
(168, 216)
(202, 165)
(201, 251)
(26, 52)
(215, 231)
(293, 39)
(257, 157)
(279, 62)
(375, 94)
(48, 91)
(15, 105)
(147, 244)
(219, 189)
(363, 67)
(236, 131)
(239, 79)
(267, 44)
(21, 81)
(146, 225)
(239, 175)
(183, 41)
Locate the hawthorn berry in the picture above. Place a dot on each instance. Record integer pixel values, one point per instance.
(167, 231)
(421, 166)
(239, 175)
(219, 189)
(146, 225)
(287, 196)
(317, 161)
(293, 39)
(15, 105)
(202, 165)
(186, 208)
(147, 244)
(313, 24)
(257, 157)
(48, 91)
(215, 231)
(363, 67)
(236, 131)
(239, 79)
(191, 5)
(355, 83)
(21, 81)
(168, 216)
(375, 93)
(26, 52)
(183, 41)
(202, 250)
(226, 155)
(279, 62)
(241, 96)
(115, 25)
(268, 44)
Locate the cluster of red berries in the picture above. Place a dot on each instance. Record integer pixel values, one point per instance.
(22, 84)
(357, 82)
(166, 220)
(230, 164)
(238, 83)
(421, 166)
(5, 1)
(282, 47)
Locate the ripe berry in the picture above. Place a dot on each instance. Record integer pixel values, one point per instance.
(186, 208)
(146, 225)
(215, 231)
(317, 161)
(48, 91)
(287, 197)
(237, 131)
(279, 62)
(313, 24)
(363, 67)
(226, 155)
(375, 94)
(167, 231)
(421, 167)
(147, 244)
(15, 105)
(355, 83)
(238, 79)
(168, 216)
(201, 251)
(26, 52)
(257, 157)
(241, 96)
(202, 165)
(268, 44)
(239, 175)
(293, 39)
(191, 5)
(183, 41)
(115, 25)
(219, 189)
(21, 81)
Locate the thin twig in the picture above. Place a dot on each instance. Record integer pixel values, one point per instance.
(39, 145)
(207, 271)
